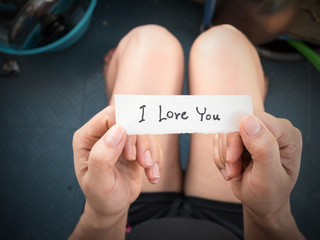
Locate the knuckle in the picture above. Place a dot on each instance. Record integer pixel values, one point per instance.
(109, 116)
(110, 109)
(132, 139)
(292, 138)
(293, 150)
(99, 158)
(298, 134)
(296, 142)
(286, 122)
(75, 138)
(143, 141)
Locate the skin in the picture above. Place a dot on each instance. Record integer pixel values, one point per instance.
(234, 167)
(109, 181)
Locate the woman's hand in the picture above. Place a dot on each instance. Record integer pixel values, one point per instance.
(110, 181)
(264, 175)
(263, 160)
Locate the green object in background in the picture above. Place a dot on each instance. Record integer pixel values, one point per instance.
(306, 51)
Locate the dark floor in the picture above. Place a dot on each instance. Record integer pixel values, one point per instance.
(56, 93)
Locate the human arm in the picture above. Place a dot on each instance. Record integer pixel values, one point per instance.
(109, 181)
(265, 174)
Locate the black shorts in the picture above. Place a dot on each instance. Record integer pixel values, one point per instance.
(172, 205)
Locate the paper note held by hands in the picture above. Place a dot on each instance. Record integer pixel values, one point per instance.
(163, 114)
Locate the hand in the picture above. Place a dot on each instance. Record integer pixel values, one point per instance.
(267, 170)
(228, 154)
(109, 180)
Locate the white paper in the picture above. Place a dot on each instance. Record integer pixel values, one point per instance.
(163, 114)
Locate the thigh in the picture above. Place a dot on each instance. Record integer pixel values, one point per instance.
(222, 61)
(149, 60)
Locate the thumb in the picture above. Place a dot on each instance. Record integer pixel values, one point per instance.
(105, 152)
(261, 144)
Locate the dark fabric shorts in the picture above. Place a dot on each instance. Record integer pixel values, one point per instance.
(172, 205)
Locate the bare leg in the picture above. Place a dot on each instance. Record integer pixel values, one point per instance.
(222, 61)
(149, 60)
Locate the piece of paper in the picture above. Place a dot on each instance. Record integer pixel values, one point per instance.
(163, 114)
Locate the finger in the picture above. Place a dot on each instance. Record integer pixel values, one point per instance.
(233, 155)
(105, 153)
(144, 157)
(94, 129)
(262, 146)
(234, 147)
(227, 152)
(234, 170)
(130, 150)
(216, 152)
(222, 147)
(289, 140)
(85, 137)
(153, 173)
(218, 155)
(288, 137)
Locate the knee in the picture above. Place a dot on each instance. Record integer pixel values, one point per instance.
(151, 38)
(222, 35)
(148, 31)
(222, 39)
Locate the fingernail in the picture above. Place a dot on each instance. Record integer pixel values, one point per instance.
(228, 156)
(156, 171)
(114, 135)
(228, 170)
(224, 174)
(252, 126)
(147, 158)
(133, 153)
(155, 181)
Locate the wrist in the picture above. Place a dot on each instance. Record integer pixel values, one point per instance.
(273, 220)
(101, 221)
(276, 225)
(96, 226)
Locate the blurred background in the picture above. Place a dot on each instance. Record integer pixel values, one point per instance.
(45, 95)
